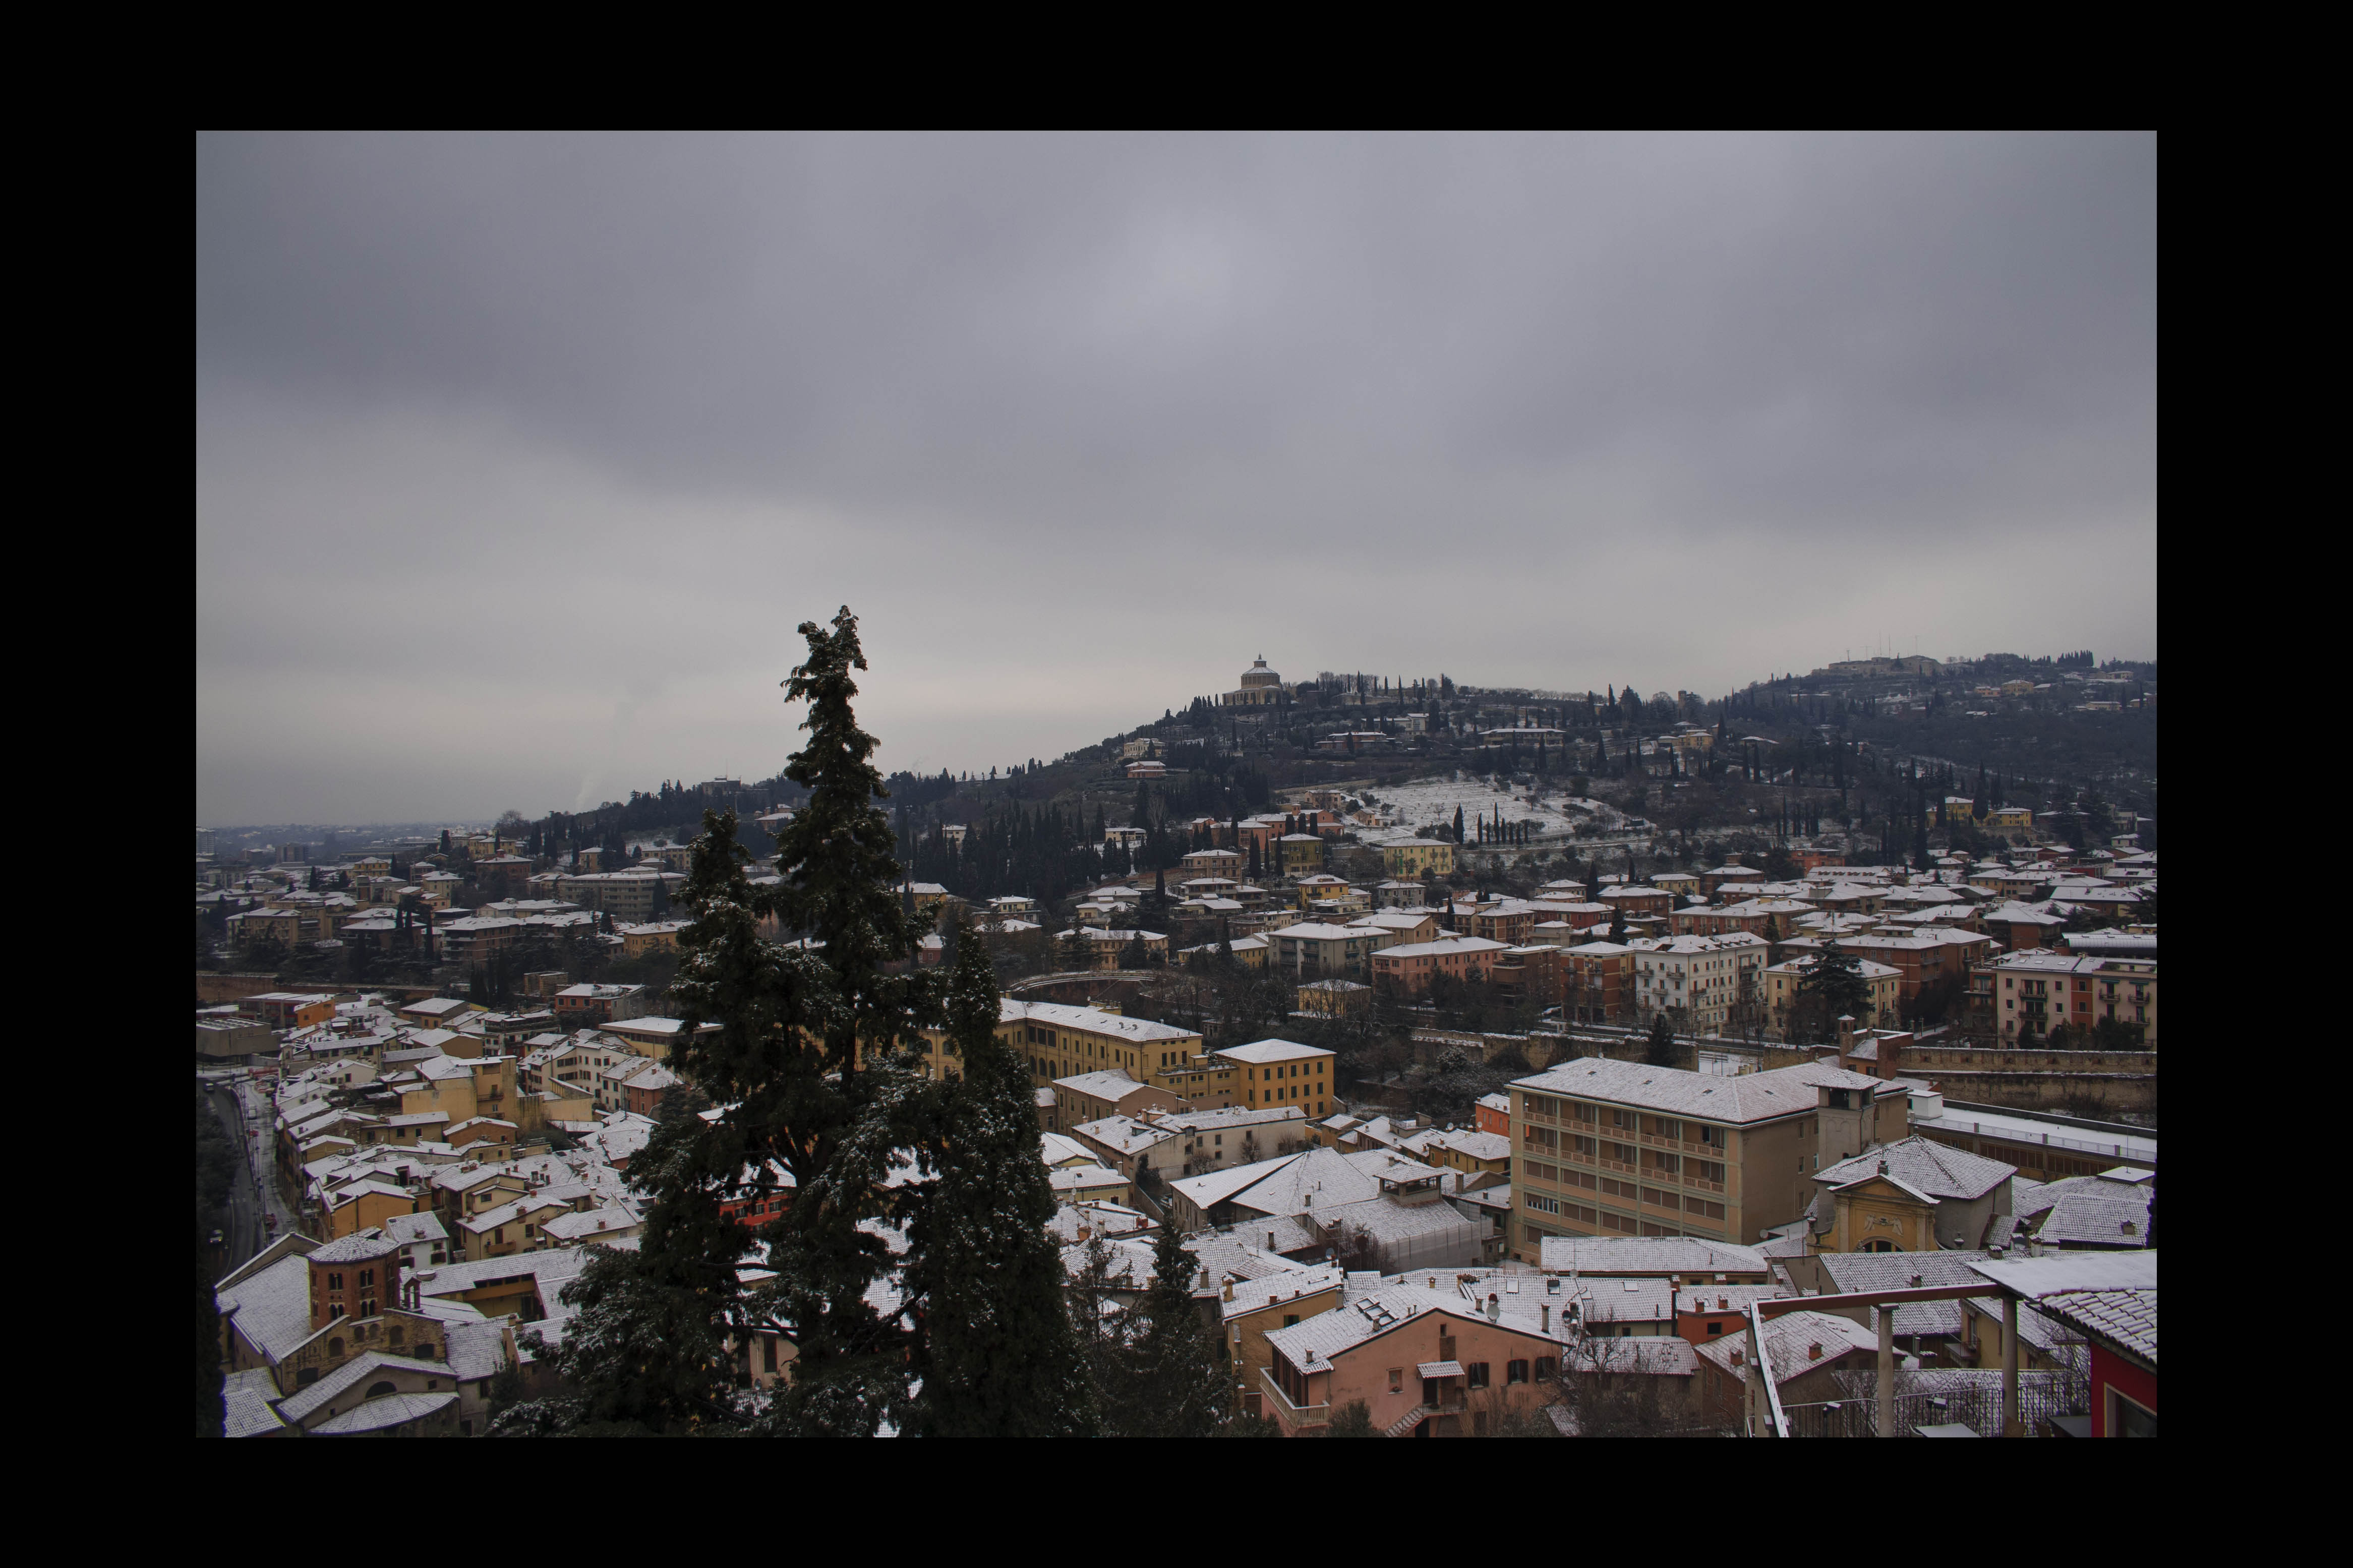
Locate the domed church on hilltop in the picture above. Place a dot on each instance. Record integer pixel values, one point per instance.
(1261, 688)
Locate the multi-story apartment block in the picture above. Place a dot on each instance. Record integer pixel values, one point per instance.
(1059, 1041)
(1610, 1148)
(1415, 857)
(1599, 982)
(1698, 980)
(1282, 1072)
(2036, 991)
(1926, 957)
(1409, 967)
(1314, 949)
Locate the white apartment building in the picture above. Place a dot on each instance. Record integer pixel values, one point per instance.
(1702, 975)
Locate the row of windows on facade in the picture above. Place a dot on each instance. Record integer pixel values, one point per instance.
(1672, 1129)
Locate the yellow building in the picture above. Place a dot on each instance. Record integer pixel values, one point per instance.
(1302, 853)
(658, 936)
(1061, 1041)
(1336, 998)
(1879, 1213)
(1254, 1307)
(1413, 856)
(1211, 1083)
(1480, 1153)
(363, 1205)
(1323, 887)
(1283, 1072)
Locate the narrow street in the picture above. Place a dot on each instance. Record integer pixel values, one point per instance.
(243, 1110)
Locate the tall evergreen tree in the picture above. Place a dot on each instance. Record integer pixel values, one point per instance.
(1000, 1359)
(1836, 976)
(1175, 1371)
(1658, 1051)
(853, 1371)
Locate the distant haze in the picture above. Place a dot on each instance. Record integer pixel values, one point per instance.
(520, 458)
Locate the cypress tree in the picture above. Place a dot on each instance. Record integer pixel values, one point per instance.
(999, 1358)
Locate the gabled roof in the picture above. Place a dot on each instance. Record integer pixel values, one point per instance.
(353, 1373)
(376, 1414)
(1109, 1084)
(272, 1308)
(246, 1396)
(1789, 1342)
(361, 1247)
(1206, 1192)
(1931, 1171)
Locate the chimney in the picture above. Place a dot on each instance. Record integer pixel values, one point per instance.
(1814, 1352)
(1230, 1287)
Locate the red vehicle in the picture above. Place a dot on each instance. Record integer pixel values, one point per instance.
(270, 1222)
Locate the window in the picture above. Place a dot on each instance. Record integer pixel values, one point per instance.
(1290, 1319)
(1477, 1371)
(334, 1280)
(1548, 1368)
(1397, 1380)
(1515, 1372)
(2128, 1419)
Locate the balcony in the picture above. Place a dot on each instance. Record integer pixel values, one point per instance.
(1620, 1165)
(1300, 1415)
(1703, 1185)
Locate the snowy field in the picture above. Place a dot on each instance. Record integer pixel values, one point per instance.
(1429, 803)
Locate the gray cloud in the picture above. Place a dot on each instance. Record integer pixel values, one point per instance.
(519, 457)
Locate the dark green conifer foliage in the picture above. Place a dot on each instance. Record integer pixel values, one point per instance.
(1836, 976)
(999, 1357)
(1175, 1377)
(840, 889)
(646, 1350)
(1660, 1050)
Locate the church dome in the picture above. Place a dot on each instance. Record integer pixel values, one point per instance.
(1258, 675)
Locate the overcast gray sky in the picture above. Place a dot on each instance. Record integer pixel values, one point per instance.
(520, 458)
